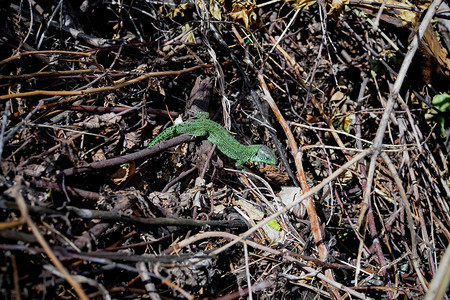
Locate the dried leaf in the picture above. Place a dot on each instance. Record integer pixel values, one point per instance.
(215, 11)
(123, 173)
(244, 11)
(99, 121)
(336, 8)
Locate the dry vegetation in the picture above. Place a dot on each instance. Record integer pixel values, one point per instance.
(87, 211)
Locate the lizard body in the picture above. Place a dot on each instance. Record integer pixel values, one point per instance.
(216, 134)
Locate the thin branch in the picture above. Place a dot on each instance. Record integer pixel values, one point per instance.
(16, 190)
(105, 88)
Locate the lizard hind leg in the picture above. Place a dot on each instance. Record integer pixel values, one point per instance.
(199, 132)
(201, 115)
(192, 127)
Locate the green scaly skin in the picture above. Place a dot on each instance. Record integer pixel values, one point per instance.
(216, 134)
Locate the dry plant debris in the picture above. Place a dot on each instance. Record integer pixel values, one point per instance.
(358, 206)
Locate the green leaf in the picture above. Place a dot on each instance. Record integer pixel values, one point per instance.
(442, 103)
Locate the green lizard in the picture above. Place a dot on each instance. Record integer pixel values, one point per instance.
(216, 134)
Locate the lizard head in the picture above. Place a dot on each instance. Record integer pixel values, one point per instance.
(265, 155)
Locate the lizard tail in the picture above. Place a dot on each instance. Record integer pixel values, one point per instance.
(166, 134)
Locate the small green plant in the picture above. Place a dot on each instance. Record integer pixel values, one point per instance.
(442, 103)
